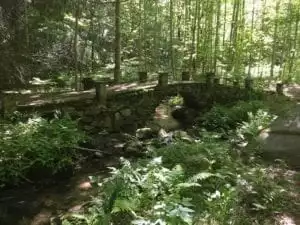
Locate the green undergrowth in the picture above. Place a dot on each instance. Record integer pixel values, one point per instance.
(223, 118)
(32, 148)
(209, 181)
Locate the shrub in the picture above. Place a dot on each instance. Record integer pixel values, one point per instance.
(208, 154)
(248, 130)
(141, 194)
(221, 118)
(36, 146)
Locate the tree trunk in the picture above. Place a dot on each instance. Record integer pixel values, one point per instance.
(117, 70)
(192, 47)
(275, 34)
(217, 38)
(171, 51)
(140, 38)
(296, 39)
(92, 29)
(26, 24)
(224, 27)
(75, 52)
(251, 39)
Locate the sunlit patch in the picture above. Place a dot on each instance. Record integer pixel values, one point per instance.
(285, 220)
(264, 134)
(42, 217)
(85, 186)
(76, 209)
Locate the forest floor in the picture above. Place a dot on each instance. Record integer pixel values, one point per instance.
(35, 207)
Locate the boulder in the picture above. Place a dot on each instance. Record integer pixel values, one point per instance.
(182, 135)
(185, 116)
(165, 137)
(145, 133)
(134, 146)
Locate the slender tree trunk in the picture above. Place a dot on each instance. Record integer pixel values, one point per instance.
(210, 35)
(262, 59)
(289, 38)
(117, 70)
(234, 57)
(296, 38)
(186, 18)
(206, 40)
(233, 22)
(251, 39)
(93, 38)
(275, 34)
(140, 47)
(217, 38)
(156, 35)
(75, 50)
(224, 27)
(26, 4)
(192, 47)
(171, 50)
(199, 35)
(144, 19)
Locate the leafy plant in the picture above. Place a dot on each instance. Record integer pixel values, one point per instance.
(146, 194)
(177, 100)
(37, 146)
(257, 122)
(203, 182)
(222, 118)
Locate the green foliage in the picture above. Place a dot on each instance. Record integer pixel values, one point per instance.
(37, 146)
(260, 192)
(177, 100)
(250, 129)
(200, 183)
(224, 191)
(146, 194)
(208, 154)
(222, 118)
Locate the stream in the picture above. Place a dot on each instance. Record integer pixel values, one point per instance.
(30, 205)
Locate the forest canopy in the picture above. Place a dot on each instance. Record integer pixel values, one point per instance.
(74, 38)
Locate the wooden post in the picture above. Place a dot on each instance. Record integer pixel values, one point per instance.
(248, 83)
(236, 83)
(2, 106)
(210, 79)
(101, 92)
(163, 79)
(216, 81)
(185, 76)
(143, 76)
(88, 83)
(279, 88)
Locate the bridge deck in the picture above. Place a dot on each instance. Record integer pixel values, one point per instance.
(65, 97)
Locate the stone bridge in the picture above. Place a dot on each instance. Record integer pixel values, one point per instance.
(130, 105)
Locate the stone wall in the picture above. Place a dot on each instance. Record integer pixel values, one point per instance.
(131, 108)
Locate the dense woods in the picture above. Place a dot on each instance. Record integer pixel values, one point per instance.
(144, 147)
(76, 38)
